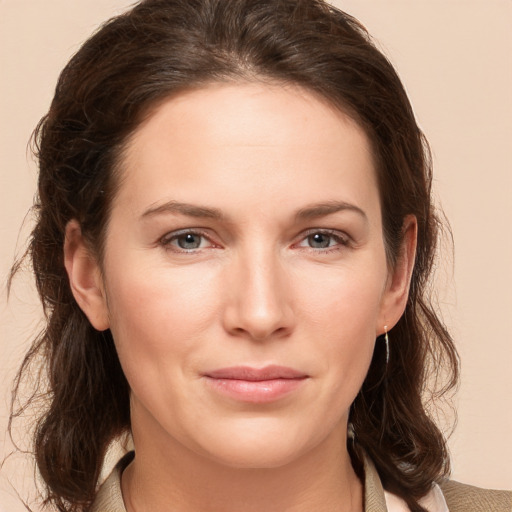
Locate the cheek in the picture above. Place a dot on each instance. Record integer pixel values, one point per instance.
(346, 300)
(341, 311)
(154, 313)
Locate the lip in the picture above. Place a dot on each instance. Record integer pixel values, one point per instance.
(255, 385)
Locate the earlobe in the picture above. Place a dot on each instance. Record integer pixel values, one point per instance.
(85, 277)
(397, 289)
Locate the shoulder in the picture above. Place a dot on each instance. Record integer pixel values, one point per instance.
(467, 498)
(447, 495)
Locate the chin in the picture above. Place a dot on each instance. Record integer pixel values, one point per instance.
(261, 448)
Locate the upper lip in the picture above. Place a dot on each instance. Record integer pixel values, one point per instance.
(249, 373)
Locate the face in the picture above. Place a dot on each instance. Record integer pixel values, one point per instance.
(245, 278)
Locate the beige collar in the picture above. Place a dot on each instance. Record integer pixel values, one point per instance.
(374, 498)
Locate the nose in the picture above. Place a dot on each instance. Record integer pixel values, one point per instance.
(259, 306)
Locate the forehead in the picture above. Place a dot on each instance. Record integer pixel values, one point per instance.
(249, 137)
(234, 110)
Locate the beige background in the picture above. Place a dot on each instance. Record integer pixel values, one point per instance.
(455, 59)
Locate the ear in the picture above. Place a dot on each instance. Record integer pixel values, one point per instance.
(395, 296)
(85, 277)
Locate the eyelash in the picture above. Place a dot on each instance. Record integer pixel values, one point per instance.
(166, 240)
(341, 240)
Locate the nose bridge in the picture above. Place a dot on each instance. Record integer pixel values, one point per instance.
(260, 304)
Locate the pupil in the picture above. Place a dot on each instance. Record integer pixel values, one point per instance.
(189, 241)
(319, 240)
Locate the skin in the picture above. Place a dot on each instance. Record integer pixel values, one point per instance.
(278, 171)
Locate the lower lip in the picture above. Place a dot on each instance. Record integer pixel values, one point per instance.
(262, 391)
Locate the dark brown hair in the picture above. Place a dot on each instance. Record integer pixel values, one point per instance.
(132, 63)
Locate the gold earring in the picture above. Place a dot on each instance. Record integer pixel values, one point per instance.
(386, 341)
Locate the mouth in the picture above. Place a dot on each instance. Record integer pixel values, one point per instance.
(255, 385)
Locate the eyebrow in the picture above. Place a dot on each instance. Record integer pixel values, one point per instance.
(308, 213)
(328, 208)
(190, 210)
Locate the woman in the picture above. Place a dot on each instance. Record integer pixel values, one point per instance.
(234, 210)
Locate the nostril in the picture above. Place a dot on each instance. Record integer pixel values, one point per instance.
(261, 334)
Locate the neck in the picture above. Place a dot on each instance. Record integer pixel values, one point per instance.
(167, 472)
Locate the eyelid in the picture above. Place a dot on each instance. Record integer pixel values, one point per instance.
(343, 238)
(165, 241)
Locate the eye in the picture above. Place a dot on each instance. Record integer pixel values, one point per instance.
(185, 241)
(323, 240)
